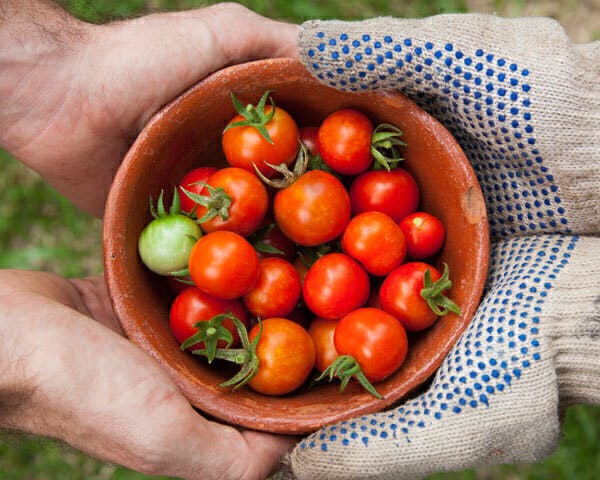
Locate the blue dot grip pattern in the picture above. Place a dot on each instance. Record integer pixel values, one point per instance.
(501, 344)
(483, 99)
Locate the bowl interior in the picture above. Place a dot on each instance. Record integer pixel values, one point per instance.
(186, 134)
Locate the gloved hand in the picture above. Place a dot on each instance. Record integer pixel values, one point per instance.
(524, 103)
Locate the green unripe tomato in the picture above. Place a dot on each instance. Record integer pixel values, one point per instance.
(166, 242)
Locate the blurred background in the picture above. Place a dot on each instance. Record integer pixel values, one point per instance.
(41, 230)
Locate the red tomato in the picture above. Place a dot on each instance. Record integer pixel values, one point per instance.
(345, 141)
(424, 234)
(314, 209)
(224, 265)
(394, 193)
(286, 355)
(271, 237)
(308, 138)
(375, 339)
(192, 305)
(400, 295)
(335, 285)
(244, 146)
(375, 241)
(249, 202)
(321, 330)
(277, 290)
(190, 182)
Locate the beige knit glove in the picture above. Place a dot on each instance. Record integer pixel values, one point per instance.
(525, 105)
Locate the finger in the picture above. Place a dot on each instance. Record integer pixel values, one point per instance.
(242, 35)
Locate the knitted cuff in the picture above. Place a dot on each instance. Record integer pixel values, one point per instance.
(520, 98)
(573, 326)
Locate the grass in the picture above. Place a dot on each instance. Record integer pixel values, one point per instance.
(62, 239)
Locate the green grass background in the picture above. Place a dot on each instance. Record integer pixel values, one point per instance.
(39, 229)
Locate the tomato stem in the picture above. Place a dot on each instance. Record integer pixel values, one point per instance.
(210, 333)
(217, 202)
(433, 293)
(385, 146)
(289, 177)
(245, 356)
(345, 367)
(254, 116)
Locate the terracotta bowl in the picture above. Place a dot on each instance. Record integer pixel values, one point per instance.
(185, 134)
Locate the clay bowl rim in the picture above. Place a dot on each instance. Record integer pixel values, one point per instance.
(283, 424)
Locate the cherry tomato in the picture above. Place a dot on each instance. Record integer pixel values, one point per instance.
(335, 285)
(376, 241)
(277, 290)
(400, 295)
(286, 355)
(308, 138)
(192, 182)
(269, 238)
(249, 202)
(394, 193)
(224, 265)
(192, 305)
(375, 339)
(314, 209)
(424, 234)
(244, 146)
(166, 242)
(344, 141)
(321, 330)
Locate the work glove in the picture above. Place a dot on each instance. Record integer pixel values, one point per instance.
(524, 103)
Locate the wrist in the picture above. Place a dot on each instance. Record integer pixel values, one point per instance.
(39, 44)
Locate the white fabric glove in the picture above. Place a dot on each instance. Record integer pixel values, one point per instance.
(524, 103)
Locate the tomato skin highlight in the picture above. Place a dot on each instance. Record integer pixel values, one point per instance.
(190, 183)
(192, 305)
(375, 241)
(335, 285)
(400, 295)
(315, 209)
(277, 290)
(286, 355)
(344, 141)
(244, 145)
(425, 234)
(394, 193)
(224, 265)
(249, 201)
(375, 339)
(321, 330)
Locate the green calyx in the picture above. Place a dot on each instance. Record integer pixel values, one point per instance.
(433, 293)
(345, 367)
(160, 210)
(254, 116)
(309, 255)
(258, 241)
(210, 333)
(288, 176)
(217, 202)
(385, 146)
(245, 356)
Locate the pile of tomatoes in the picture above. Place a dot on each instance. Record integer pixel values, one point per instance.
(306, 253)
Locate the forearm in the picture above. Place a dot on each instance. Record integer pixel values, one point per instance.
(38, 40)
